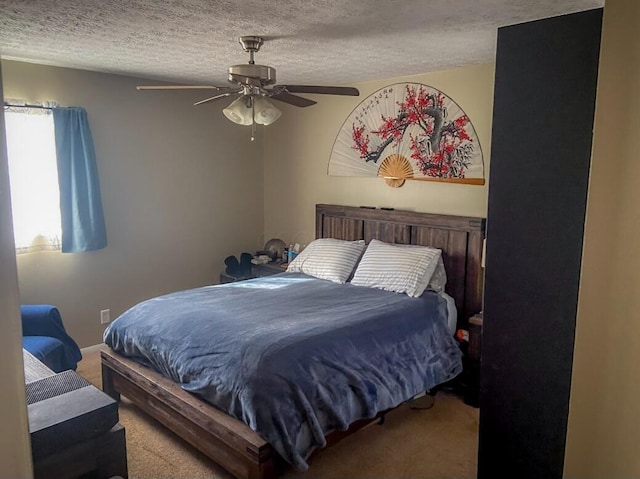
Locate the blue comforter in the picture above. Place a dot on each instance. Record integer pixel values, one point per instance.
(292, 356)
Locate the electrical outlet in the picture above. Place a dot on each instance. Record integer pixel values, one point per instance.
(105, 316)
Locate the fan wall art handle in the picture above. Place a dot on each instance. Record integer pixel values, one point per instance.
(408, 131)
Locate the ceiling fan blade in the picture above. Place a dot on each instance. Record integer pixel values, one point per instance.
(295, 100)
(322, 90)
(179, 87)
(222, 95)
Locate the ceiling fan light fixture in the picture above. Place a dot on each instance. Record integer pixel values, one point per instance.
(265, 112)
(239, 112)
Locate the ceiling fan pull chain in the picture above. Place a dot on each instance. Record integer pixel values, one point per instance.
(253, 117)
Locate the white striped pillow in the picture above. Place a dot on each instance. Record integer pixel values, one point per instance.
(328, 258)
(438, 280)
(397, 268)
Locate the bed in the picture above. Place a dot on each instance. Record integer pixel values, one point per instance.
(230, 441)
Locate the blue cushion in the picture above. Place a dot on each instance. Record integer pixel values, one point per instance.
(50, 351)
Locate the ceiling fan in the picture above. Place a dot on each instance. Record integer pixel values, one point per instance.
(253, 84)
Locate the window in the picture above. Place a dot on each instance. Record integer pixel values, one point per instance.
(33, 177)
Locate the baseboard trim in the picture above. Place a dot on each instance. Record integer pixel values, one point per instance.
(93, 349)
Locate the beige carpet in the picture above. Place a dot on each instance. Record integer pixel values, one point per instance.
(441, 442)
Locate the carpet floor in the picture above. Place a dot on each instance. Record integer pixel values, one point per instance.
(440, 442)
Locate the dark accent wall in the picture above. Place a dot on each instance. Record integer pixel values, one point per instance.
(545, 87)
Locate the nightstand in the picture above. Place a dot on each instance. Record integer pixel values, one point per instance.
(472, 390)
(267, 269)
(257, 271)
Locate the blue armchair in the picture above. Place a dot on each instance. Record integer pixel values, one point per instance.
(44, 336)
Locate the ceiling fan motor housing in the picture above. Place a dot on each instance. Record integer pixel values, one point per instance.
(242, 74)
(251, 43)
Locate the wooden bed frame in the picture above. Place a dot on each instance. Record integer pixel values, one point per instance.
(230, 442)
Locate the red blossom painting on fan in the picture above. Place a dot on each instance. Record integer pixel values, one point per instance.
(408, 131)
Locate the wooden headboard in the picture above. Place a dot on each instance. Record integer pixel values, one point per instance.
(459, 238)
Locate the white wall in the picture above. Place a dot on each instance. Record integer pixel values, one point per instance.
(182, 188)
(604, 416)
(15, 445)
(298, 146)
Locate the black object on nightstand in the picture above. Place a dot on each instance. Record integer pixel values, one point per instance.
(472, 366)
(257, 271)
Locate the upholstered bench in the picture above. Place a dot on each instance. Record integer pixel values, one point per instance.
(73, 425)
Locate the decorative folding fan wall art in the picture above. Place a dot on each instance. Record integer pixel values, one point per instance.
(408, 131)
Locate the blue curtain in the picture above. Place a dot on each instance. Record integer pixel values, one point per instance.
(83, 226)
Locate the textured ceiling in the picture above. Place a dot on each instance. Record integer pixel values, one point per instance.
(321, 42)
